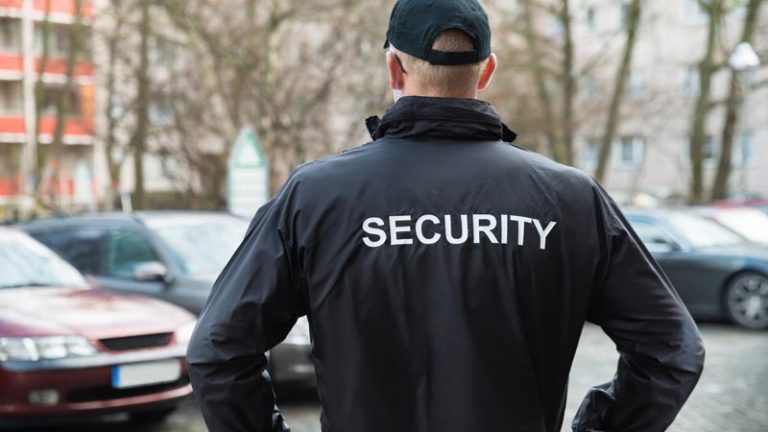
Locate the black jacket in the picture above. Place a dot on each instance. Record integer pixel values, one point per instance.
(446, 275)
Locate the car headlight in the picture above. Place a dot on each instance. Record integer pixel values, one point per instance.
(45, 348)
(184, 334)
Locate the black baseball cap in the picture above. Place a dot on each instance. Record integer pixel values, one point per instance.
(415, 24)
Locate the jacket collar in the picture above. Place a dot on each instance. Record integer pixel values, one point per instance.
(429, 117)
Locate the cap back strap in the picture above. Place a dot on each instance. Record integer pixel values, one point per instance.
(452, 58)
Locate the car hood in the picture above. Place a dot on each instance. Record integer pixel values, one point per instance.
(89, 312)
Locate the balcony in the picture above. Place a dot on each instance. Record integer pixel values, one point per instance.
(12, 67)
(60, 9)
(76, 130)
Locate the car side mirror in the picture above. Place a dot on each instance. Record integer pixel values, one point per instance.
(661, 245)
(151, 271)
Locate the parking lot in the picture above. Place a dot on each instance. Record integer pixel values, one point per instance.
(732, 395)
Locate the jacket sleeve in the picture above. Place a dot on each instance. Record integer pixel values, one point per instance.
(252, 307)
(660, 348)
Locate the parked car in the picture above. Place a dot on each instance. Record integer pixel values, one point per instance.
(174, 256)
(69, 349)
(716, 271)
(758, 204)
(749, 222)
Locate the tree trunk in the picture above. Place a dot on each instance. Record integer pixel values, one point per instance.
(620, 84)
(45, 28)
(714, 9)
(569, 82)
(139, 137)
(720, 186)
(63, 107)
(110, 139)
(539, 75)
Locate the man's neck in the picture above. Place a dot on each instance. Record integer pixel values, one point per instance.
(470, 95)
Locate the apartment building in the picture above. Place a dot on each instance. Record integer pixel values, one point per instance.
(69, 178)
(651, 151)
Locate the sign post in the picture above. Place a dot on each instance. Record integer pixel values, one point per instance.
(247, 175)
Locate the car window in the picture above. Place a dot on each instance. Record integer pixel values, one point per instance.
(25, 262)
(648, 231)
(702, 232)
(751, 224)
(126, 250)
(80, 247)
(203, 247)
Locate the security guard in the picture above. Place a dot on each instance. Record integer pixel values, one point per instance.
(446, 274)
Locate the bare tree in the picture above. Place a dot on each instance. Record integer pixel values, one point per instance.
(139, 137)
(706, 67)
(634, 13)
(115, 35)
(45, 28)
(568, 79)
(273, 65)
(537, 70)
(725, 163)
(64, 100)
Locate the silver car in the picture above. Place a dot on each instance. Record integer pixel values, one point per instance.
(174, 256)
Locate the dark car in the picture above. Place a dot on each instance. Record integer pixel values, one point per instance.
(717, 272)
(68, 349)
(174, 256)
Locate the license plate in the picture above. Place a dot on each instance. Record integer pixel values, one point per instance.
(143, 374)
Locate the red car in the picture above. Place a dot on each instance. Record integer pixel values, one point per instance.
(69, 349)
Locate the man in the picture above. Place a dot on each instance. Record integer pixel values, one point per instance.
(446, 274)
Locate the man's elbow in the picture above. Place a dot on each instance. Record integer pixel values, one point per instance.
(690, 359)
(698, 356)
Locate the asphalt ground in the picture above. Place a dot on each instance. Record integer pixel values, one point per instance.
(732, 395)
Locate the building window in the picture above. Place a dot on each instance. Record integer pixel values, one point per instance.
(590, 154)
(161, 113)
(691, 81)
(749, 77)
(632, 151)
(624, 15)
(636, 87)
(693, 13)
(556, 27)
(10, 40)
(10, 97)
(745, 150)
(591, 20)
(740, 9)
(709, 150)
(51, 97)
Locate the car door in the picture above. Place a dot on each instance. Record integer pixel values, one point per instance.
(125, 250)
(689, 273)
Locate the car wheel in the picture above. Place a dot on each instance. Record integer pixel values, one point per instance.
(746, 300)
(153, 416)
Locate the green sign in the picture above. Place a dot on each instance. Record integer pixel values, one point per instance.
(247, 175)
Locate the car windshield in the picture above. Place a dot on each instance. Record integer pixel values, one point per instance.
(202, 246)
(25, 262)
(702, 232)
(752, 224)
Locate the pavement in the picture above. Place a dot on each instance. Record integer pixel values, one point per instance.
(732, 395)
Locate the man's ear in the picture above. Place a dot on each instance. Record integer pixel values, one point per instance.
(395, 72)
(487, 74)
